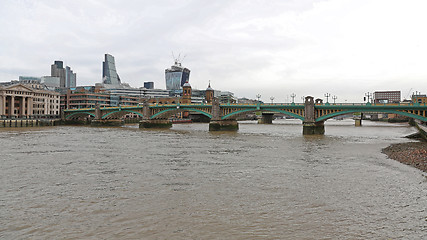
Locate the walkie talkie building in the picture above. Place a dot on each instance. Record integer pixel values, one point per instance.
(176, 76)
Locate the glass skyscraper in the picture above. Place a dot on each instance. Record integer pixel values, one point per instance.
(109, 73)
(70, 77)
(176, 76)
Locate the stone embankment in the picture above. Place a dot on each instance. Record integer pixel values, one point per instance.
(15, 123)
(422, 129)
(412, 153)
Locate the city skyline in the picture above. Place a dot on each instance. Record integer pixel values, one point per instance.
(345, 48)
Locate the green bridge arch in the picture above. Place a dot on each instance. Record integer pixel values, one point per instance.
(263, 110)
(122, 110)
(331, 115)
(80, 114)
(180, 110)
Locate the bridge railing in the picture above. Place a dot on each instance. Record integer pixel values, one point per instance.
(78, 109)
(370, 104)
(340, 104)
(263, 104)
(253, 104)
(176, 104)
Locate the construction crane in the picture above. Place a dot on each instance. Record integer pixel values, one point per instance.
(178, 60)
(407, 95)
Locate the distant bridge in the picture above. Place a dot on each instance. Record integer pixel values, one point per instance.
(310, 113)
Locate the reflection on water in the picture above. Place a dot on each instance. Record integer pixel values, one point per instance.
(263, 182)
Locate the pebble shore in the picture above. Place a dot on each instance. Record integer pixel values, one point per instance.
(412, 153)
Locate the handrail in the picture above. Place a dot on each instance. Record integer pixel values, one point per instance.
(258, 104)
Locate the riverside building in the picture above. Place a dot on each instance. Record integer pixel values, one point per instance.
(419, 98)
(28, 100)
(90, 96)
(387, 97)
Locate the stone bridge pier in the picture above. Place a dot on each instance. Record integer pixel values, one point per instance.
(218, 124)
(146, 122)
(358, 120)
(310, 126)
(266, 118)
(99, 122)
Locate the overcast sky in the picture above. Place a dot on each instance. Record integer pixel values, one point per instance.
(273, 48)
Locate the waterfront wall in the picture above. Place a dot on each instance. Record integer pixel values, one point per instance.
(8, 123)
(15, 123)
(422, 129)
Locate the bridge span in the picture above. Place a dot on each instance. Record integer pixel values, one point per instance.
(223, 116)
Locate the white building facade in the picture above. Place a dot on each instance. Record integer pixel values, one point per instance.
(20, 101)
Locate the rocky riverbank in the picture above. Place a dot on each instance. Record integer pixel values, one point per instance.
(412, 153)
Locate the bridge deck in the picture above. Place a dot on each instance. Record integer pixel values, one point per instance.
(323, 111)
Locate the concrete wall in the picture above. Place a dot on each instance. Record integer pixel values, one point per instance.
(422, 129)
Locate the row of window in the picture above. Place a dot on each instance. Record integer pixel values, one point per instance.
(46, 95)
(90, 96)
(89, 101)
(17, 105)
(35, 112)
(18, 92)
(43, 100)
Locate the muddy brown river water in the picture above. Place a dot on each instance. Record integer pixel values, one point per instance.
(263, 182)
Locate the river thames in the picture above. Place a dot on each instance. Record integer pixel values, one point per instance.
(262, 182)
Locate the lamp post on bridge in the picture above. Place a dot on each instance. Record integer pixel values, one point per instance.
(303, 99)
(327, 95)
(258, 96)
(272, 99)
(335, 98)
(368, 95)
(293, 95)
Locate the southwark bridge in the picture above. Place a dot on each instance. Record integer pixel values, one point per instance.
(223, 117)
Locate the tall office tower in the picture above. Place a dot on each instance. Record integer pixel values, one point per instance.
(176, 76)
(67, 78)
(57, 70)
(70, 77)
(109, 73)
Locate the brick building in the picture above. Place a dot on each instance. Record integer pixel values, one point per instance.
(387, 97)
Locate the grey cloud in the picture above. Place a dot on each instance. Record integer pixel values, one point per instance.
(239, 45)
